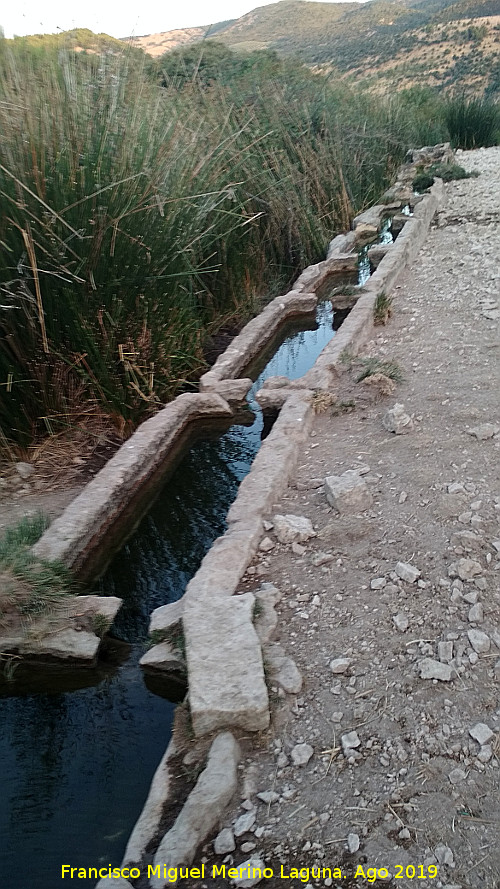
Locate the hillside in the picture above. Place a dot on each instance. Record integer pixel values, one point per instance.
(406, 42)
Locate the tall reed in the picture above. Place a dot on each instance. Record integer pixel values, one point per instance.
(135, 219)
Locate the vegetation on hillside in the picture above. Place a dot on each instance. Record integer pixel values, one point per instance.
(383, 43)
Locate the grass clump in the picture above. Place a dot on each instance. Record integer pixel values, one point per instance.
(44, 584)
(372, 366)
(343, 407)
(382, 308)
(447, 172)
(321, 400)
(100, 625)
(472, 122)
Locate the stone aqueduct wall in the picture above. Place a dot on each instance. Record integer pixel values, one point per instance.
(227, 686)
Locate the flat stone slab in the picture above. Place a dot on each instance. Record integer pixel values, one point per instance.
(67, 633)
(431, 669)
(165, 658)
(202, 810)
(166, 617)
(293, 528)
(227, 686)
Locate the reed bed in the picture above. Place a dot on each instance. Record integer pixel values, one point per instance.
(136, 219)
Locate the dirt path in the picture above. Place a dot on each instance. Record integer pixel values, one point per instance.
(399, 771)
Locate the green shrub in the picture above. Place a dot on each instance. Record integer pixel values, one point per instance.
(447, 172)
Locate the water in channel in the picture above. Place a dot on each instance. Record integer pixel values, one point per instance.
(78, 748)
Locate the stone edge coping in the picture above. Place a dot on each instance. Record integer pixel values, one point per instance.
(255, 335)
(75, 533)
(359, 324)
(230, 554)
(200, 814)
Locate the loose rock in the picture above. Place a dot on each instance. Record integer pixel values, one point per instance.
(340, 665)
(431, 669)
(407, 572)
(468, 569)
(293, 528)
(484, 431)
(397, 420)
(249, 873)
(244, 823)
(479, 641)
(301, 754)
(481, 733)
(353, 842)
(224, 842)
(401, 622)
(348, 493)
(349, 742)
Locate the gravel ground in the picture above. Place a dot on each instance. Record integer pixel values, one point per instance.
(388, 756)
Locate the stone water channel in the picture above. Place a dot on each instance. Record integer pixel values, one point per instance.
(78, 748)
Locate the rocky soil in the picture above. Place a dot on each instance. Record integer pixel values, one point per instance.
(388, 755)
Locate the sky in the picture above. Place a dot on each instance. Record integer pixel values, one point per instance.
(120, 18)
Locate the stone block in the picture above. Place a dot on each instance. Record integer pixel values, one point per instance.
(202, 810)
(348, 493)
(225, 671)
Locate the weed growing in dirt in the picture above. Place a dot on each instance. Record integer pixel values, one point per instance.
(321, 400)
(382, 308)
(343, 407)
(372, 366)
